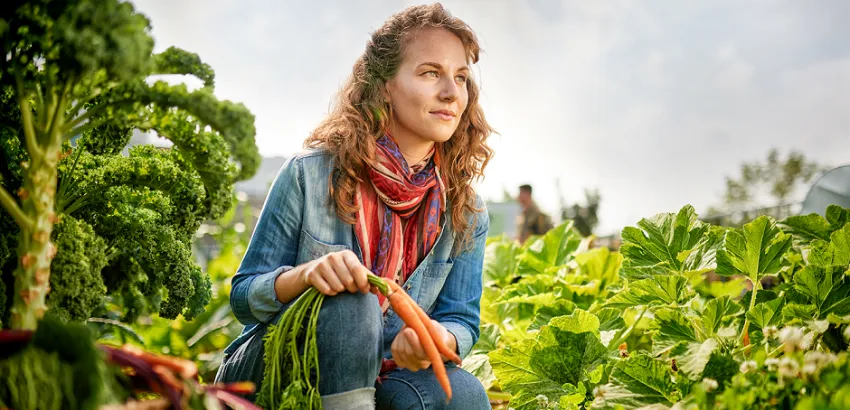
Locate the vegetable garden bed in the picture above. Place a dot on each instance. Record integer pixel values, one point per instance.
(567, 327)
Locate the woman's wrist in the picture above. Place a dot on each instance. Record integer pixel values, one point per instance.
(288, 285)
(451, 343)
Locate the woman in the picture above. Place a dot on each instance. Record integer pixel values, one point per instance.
(386, 188)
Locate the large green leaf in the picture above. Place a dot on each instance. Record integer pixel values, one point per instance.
(721, 368)
(611, 323)
(716, 310)
(731, 288)
(662, 244)
(572, 359)
(544, 314)
(539, 299)
(551, 250)
(600, 266)
(500, 262)
(640, 381)
(546, 364)
(489, 338)
(496, 314)
(655, 290)
(754, 251)
(806, 228)
(826, 287)
(767, 313)
(673, 327)
(575, 397)
(703, 256)
(478, 364)
(528, 290)
(692, 357)
(799, 311)
(836, 252)
(580, 321)
(512, 367)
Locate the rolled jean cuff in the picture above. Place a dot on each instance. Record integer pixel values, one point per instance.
(358, 399)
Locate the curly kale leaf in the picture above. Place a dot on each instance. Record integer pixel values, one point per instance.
(177, 61)
(76, 287)
(149, 255)
(146, 167)
(76, 39)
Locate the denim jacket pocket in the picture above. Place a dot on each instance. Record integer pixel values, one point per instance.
(433, 280)
(310, 248)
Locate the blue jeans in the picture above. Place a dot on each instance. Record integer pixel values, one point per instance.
(350, 347)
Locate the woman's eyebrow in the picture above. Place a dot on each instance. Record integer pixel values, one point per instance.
(440, 66)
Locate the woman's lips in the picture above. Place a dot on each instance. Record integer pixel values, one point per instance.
(444, 115)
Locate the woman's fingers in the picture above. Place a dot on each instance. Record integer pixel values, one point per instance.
(399, 356)
(330, 276)
(343, 273)
(408, 352)
(314, 278)
(417, 351)
(357, 270)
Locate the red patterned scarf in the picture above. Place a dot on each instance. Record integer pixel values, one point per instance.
(399, 217)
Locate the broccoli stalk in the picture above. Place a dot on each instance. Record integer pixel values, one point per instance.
(76, 71)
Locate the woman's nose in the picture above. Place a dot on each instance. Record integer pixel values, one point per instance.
(449, 91)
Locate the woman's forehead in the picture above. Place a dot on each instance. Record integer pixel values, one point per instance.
(435, 45)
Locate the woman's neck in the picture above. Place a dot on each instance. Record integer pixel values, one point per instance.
(413, 148)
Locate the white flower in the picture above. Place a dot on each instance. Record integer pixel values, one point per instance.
(772, 364)
(788, 367)
(819, 326)
(770, 331)
(795, 338)
(816, 360)
(709, 384)
(791, 335)
(748, 366)
(600, 391)
(542, 400)
(807, 340)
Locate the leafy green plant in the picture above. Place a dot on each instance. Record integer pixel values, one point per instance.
(83, 225)
(74, 87)
(203, 338)
(643, 328)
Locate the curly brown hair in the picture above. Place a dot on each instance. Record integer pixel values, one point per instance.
(361, 115)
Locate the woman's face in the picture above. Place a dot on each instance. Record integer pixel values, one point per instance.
(428, 94)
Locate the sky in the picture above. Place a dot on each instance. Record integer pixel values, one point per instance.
(653, 103)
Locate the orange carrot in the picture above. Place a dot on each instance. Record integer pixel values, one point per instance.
(441, 344)
(402, 306)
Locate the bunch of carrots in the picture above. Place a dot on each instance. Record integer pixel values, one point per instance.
(288, 376)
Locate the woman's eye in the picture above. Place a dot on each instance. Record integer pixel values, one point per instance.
(431, 74)
(461, 78)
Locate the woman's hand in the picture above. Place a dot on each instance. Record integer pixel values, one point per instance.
(408, 352)
(336, 272)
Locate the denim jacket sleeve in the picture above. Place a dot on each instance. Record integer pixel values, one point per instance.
(458, 304)
(273, 248)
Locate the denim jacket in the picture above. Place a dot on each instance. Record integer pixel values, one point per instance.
(298, 224)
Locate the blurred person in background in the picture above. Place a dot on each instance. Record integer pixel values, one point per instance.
(532, 221)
